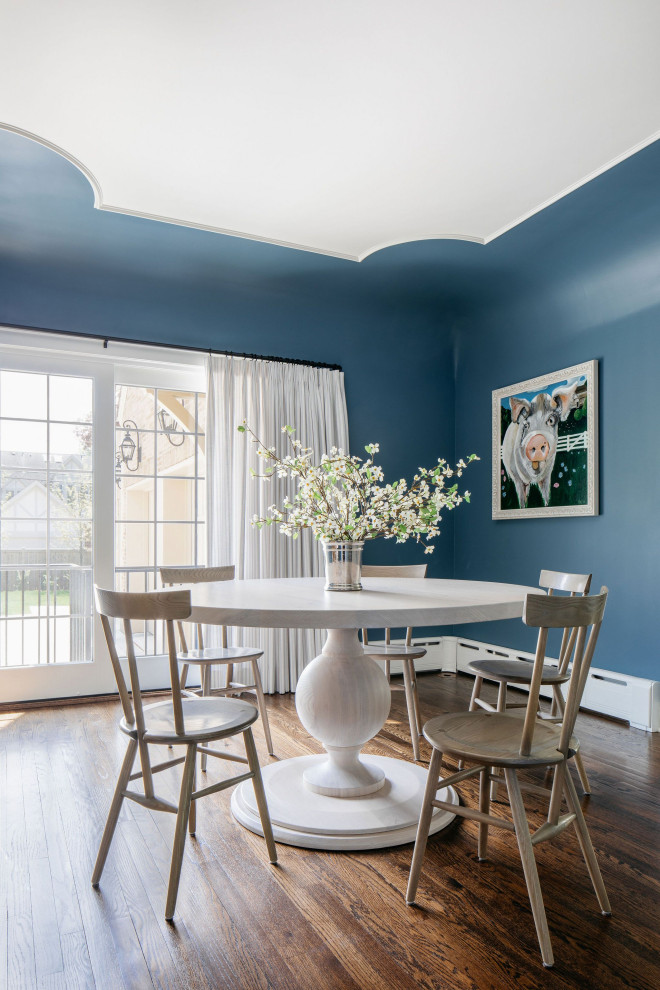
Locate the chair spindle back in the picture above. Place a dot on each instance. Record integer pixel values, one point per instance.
(575, 613)
(168, 606)
(574, 584)
(197, 575)
(393, 570)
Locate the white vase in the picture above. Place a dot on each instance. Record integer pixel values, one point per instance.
(343, 565)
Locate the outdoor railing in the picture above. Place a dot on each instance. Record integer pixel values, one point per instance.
(45, 611)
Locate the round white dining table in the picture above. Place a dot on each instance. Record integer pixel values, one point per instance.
(342, 799)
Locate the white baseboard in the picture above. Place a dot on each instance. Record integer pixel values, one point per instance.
(633, 699)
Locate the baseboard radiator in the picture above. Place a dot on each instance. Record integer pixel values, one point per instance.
(633, 699)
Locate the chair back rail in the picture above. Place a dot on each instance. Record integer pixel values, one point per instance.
(577, 584)
(197, 575)
(393, 570)
(576, 613)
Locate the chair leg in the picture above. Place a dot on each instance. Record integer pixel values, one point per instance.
(558, 708)
(260, 794)
(206, 690)
(582, 773)
(261, 704)
(476, 693)
(388, 672)
(184, 675)
(180, 830)
(585, 844)
(529, 865)
(418, 708)
(424, 825)
(484, 807)
(115, 808)
(501, 707)
(229, 677)
(192, 817)
(410, 703)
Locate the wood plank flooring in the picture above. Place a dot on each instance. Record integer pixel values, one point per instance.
(318, 921)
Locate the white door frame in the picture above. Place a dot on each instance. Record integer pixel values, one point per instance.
(46, 353)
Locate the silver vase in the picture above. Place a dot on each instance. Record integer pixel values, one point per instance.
(343, 565)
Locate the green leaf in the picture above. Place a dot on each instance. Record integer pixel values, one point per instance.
(241, 429)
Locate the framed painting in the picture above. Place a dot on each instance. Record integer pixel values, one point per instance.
(545, 445)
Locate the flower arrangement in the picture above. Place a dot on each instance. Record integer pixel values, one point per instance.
(344, 499)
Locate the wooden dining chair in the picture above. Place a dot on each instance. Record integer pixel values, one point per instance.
(206, 657)
(515, 741)
(519, 672)
(181, 721)
(406, 653)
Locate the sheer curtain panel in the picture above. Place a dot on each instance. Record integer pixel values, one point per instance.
(268, 395)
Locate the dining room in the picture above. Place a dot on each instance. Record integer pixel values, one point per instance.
(328, 361)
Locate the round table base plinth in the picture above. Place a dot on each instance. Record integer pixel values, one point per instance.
(301, 817)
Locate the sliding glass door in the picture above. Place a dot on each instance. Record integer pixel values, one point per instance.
(53, 546)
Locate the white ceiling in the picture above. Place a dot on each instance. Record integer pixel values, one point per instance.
(339, 126)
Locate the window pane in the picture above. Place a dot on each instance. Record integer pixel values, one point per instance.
(70, 542)
(176, 499)
(176, 460)
(201, 544)
(137, 404)
(71, 447)
(22, 591)
(22, 438)
(176, 412)
(23, 395)
(134, 453)
(71, 399)
(201, 501)
(70, 495)
(134, 545)
(176, 544)
(134, 498)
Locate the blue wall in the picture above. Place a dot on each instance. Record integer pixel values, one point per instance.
(579, 281)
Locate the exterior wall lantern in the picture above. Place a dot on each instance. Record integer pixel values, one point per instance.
(168, 426)
(129, 449)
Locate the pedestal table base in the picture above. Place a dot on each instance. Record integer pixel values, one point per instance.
(301, 817)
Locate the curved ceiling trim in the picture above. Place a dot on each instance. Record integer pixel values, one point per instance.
(99, 204)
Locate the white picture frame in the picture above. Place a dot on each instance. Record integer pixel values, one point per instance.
(545, 445)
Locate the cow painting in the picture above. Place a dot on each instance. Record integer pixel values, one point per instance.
(529, 447)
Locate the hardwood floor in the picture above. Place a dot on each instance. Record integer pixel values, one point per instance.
(318, 920)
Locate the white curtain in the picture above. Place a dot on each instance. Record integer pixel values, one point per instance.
(267, 395)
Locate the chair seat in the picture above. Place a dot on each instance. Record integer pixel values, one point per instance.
(493, 738)
(395, 651)
(514, 671)
(220, 654)
(205, 719)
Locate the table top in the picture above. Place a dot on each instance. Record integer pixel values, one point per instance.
(302, 603)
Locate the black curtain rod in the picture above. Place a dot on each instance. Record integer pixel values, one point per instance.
(106, 338)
